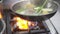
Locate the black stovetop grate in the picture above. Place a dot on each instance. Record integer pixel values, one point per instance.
(44, 29)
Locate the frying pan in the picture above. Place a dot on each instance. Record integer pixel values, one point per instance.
(50, 4)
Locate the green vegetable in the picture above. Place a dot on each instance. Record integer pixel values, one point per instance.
(41, 7)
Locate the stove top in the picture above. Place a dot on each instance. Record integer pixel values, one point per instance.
(44, 26)
(38, 29)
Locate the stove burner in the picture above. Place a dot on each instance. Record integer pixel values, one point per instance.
(24, 24)
(40, 28)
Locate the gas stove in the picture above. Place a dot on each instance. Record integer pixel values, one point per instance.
(42, 27)
(35, 27)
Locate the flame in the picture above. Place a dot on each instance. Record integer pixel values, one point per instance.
(0, 15)
(23, 24)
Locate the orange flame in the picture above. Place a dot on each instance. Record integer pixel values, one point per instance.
(0, 15)
(23, 24)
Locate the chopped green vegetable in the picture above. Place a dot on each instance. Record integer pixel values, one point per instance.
(41, 7)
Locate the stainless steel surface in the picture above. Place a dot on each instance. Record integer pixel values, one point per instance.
(52, 30)
(56, 20)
